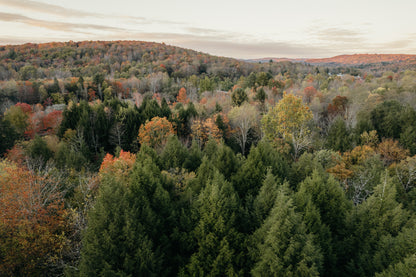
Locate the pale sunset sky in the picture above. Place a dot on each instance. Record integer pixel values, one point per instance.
(232, 28)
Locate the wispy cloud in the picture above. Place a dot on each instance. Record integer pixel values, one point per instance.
(337, 35)
(56, 10)
(34, 6)
(56, 25)
(399, 44)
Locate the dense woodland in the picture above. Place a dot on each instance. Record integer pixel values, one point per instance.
(142, 159)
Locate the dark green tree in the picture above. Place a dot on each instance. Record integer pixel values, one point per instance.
(127, 228)
(380, 215)
(8, 135)
(217, 240)
(338, 138)
(325, 208)
(386, 119)
(239, 96)
(250, 176)
(407, 267)
(284, 248)
(174, 154)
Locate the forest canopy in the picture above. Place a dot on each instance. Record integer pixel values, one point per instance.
(130, 158)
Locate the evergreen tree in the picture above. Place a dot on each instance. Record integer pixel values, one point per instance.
(380, 215)
(284, 248)
(126, 233)
(265, 200)
(338, 138)
(225, 161)
(405, 268)
(249, 177)
(239, 96)
(325, 207)
(217, 239)
(8, 135)
(174, 154)
(194, 158)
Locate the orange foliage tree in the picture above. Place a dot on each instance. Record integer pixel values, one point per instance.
(155, 132)
(117, 166)
(350, 162)
(182, 97)
(202, 130)
(32, 221)
(390, 151)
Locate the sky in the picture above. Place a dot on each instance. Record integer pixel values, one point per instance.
(232, 28)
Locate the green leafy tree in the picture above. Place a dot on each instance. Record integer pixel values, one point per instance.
(250, 176)
(174, 154)
(17, 118)
(8, 135)
(265, 200)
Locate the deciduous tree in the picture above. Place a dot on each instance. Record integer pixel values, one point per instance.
(155, 132)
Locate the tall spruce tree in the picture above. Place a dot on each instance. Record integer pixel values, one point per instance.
(325, 207)
(379, 216)
(126, 233)
(284, 248)
(217, 252)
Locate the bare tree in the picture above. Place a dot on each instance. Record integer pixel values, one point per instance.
(242, 119)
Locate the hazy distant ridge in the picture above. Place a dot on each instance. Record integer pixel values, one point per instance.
(355, 59)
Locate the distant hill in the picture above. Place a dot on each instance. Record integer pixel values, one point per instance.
(356, 59)
(367, 62)
(365, 59)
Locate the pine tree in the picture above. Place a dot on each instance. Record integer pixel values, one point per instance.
(126, 233)
(174, 154)
(265, 200)
(249, 177)
(284, 248)
(405, 268)
(380, 215)
(338, 138)
(217, 239)
(324, 206)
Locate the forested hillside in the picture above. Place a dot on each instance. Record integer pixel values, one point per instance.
(130, 158)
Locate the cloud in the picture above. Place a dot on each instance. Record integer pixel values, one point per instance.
(44, 8)
(337, 35)
(56, 25)
(39, 7)
(398, 44)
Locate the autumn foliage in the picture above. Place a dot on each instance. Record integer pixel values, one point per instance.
(117, 166)
(182, 97)
(155, 132)
(32, 221)
(202, 130)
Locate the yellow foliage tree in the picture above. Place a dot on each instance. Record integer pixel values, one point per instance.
(288, 120)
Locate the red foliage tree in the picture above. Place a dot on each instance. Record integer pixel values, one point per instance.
(51, 122)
